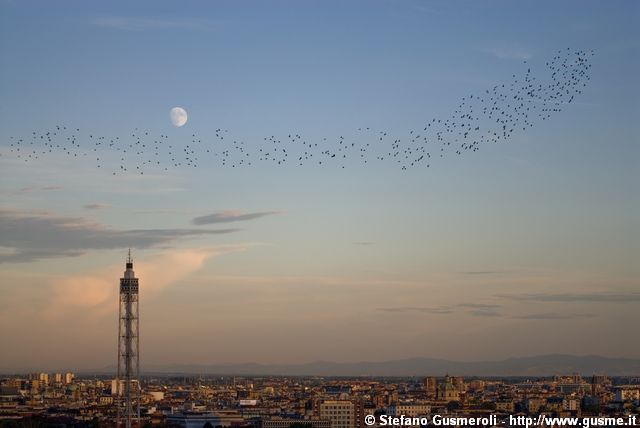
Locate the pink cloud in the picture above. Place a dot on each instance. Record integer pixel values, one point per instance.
(94, 294)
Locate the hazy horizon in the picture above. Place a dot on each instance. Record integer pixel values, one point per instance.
(596, 364)
(525, 247)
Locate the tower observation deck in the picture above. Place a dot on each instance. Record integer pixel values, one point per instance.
(127, 378)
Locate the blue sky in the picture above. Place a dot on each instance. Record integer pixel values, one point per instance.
(541, 230)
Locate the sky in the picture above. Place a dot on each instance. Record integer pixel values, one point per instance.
(525, 247)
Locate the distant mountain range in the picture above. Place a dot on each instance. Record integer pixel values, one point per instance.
(544, 365)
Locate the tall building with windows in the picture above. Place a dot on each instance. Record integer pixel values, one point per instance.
(44, 378)
(430, 386)
(341, 413)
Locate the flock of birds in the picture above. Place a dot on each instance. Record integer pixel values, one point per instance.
(489, 117)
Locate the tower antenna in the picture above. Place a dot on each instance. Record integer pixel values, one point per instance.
(128, 375)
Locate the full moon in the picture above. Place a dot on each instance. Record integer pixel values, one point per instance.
(178, 116)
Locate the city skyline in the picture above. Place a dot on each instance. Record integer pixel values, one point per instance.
(527, 247)
(281, 402)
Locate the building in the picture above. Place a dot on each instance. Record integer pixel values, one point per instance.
(627, 392)
(570, 388)
(44, 379)
(477, 385)
(193, 420)
(105, 400)
(505, 405)
(337, 390)
(534, 404)
(571, 404)
(554, 404)
(288, 422)
(598, 383)
(156, 395)
(447, 391)
(8, 394)
(359, 412)
(412, 409)
(341, 413)
(430, 386)
(599, 379)
(458, 383)
(119, 389)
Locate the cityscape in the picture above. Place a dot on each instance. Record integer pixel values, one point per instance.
(129, 399)
(64, 399)
(319, 214)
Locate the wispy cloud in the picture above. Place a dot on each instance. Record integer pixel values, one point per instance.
(606, 297)
(474, 309)
(481, 309)
(27, 237)
(485, 272)
(144, 24)
(163, 211)
(484, 310)
(439, 310)
(485, 313)
(479, 306)
(31, 189)
(231, 216)
(96, 206)
(552, 316)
